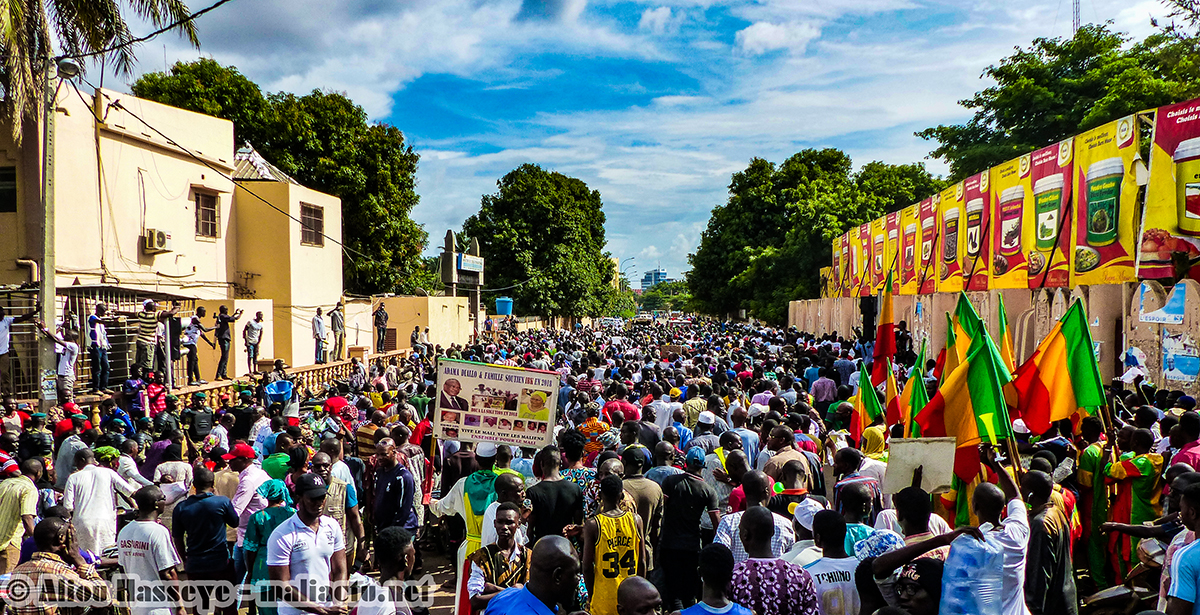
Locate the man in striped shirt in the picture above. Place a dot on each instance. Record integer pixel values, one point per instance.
(148, 335)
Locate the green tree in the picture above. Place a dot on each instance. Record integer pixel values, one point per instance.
(324, 141)
(31, 31)
(542, 233)
(652, 300)
(766, 245)
(1058, 87)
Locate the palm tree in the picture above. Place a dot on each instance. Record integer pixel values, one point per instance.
(29, 30)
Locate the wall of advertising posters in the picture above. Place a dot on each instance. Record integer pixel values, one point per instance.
(879, 254)
(910, 248)
(928, 273)
(492, 403)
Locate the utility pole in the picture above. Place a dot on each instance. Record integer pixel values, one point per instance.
(47, 370)
(1075, 18)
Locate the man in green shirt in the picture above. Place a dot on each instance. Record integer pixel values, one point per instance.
(1093, 498)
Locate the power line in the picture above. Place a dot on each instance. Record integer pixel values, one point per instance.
(142, 39)
(117, 104)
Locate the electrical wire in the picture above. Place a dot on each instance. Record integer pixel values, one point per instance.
(142, 39)
(117, 104)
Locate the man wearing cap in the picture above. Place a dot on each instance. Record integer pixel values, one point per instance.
(36, 442)
(307, 553)
(71, 445)
(246, 499)
(688, 497)
(147, 332)
(198, 421)
(805, 550)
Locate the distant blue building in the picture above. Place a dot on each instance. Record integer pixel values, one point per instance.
(656, 276)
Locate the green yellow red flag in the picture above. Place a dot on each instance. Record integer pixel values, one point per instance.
(1061, 378)
(866, 406)
(914, 397)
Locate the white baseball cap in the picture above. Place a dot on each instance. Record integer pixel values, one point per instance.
(805, 510)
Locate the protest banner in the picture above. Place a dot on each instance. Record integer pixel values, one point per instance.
(935, 457)
(1053, 181)
(1171, 223)
(1012, 194)
(493, 403)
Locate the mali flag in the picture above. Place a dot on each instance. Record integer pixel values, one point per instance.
(866, 407)
(968, 327)
(948, 360)
(914, 397)
(970, 406)
(1061, 377)
(1006, 353)
(885, 336)
(891, 395)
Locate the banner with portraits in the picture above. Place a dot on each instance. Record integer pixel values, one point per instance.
(476, 402)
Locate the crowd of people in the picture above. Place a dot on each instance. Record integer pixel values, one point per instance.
(699, 468)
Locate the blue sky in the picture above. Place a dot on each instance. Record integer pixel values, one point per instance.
(652, 103)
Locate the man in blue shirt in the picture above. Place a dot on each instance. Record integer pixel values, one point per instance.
(198, 527)
(552, 581)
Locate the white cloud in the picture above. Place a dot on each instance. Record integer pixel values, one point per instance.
(764, 37)
(657, 21)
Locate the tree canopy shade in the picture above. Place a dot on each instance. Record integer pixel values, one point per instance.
(1058, 87)
(31, 29)
(766, 245)
(324, 141)
(542, 234)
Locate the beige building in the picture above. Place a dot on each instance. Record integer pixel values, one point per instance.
(151, 201)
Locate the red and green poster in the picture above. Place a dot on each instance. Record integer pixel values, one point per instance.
(892, 264)
(1051, 177)
(976, 249)
(1106, 209)
(1171, 224)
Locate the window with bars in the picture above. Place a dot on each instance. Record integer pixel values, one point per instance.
(8, 189)
(207, 215)
(312, 225)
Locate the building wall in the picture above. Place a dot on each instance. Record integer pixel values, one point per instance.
(300, 278)
(118, 178)
(447, 318)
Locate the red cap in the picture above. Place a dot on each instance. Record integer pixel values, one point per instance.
(71, 407)
(240, 450)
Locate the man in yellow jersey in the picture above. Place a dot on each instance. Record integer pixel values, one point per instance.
(614, 548)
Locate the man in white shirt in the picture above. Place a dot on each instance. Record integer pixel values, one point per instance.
(833, 574)
(394, 555)
(66, 362)
(90, 495)
(306, 555)
(1012, 534)
(147, 554)
(127, 464)
(757, 488)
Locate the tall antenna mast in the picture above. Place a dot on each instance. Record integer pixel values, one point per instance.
(1075, 18)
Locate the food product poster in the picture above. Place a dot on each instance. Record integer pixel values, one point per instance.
(826, 274)
(949, 205)
(1181, 359)
(831, 287)
(1106, 211)
(927, 273)
(493, 403)
(892, 264)
(866, 262)
(856, 260)
(910, 249)
(1048, 252)
(1171, 223)
(976, 230)
(1012, 194)
(845, 278)
(879, 254)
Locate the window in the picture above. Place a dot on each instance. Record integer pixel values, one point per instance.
(8, 190)
(312, 225)
(207, 215)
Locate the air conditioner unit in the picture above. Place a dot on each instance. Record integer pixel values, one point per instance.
(156, 241)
